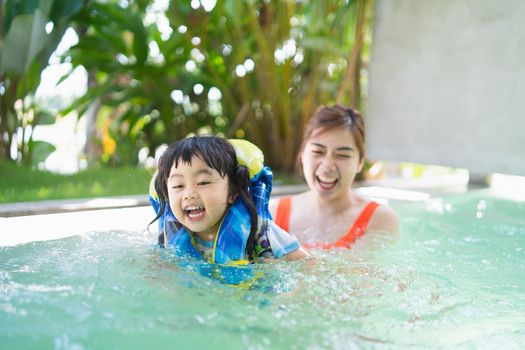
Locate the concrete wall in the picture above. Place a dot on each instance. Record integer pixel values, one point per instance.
(447, 84)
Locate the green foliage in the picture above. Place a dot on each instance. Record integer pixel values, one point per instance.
(113, 47)
(25, 50)
(274, 63)
(23, 42)
(25, 183)
(40, 150)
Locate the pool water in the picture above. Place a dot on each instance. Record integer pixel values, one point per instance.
(454, 278)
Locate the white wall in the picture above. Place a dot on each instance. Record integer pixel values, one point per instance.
(447, 84)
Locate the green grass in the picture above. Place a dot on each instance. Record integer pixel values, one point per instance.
(21, 184)
(282, 178)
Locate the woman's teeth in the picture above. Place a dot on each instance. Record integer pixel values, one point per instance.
(326, 183)
(327, 179)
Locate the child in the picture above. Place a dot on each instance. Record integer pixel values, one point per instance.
(211, 198)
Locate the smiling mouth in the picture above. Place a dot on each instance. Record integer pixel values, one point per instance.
(326, 183)
(195, 213)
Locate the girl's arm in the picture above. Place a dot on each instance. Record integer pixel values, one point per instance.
(283, 245)
(298, 254)
(272, 206)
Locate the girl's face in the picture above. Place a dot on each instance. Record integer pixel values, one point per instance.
(198, 196)
(331, 162)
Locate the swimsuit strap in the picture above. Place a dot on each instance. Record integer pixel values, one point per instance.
(282, 216)
(356, 231)
(359, 227)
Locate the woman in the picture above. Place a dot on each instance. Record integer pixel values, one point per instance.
(330, 214)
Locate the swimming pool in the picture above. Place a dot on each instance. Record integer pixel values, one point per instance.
(454, 278)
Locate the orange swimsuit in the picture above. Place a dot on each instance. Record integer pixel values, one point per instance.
(282, 219)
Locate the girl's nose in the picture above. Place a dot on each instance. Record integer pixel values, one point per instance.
(190, 193)
(190, 196)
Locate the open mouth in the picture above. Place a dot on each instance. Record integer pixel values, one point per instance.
(326, 183)
(195, 213)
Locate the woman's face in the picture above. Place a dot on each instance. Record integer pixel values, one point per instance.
(331, 162)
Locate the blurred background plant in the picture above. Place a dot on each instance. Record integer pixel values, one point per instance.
(246, 69)
(158, 71)
(29, 33)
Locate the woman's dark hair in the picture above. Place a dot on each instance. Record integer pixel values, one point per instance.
(218, 154)
(328, 118)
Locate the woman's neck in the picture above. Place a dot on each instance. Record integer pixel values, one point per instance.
(333, 205)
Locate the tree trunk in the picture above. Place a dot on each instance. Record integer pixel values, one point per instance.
(7, 130)
(4, 138)
(92, 147)
(351, 79)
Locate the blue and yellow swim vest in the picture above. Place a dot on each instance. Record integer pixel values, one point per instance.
(228, 260)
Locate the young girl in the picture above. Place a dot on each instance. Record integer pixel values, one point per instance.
(211, 198)
(330, 214)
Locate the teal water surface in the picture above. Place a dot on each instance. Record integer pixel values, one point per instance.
(453, 278)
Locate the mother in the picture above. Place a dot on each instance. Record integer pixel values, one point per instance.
(331, 214)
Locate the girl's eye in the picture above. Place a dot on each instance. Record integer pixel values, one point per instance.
(203, 183)
(316, 151)
(344, 156)
(176, 187)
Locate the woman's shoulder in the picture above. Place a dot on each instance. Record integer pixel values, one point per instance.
(296, 198)
(384, 219)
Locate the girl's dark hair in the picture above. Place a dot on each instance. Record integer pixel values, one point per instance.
(218, 154)
(328, 118)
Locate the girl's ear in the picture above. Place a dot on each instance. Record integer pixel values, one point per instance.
(231, 197)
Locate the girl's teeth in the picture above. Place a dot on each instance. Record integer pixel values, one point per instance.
(195, 212)
(193, 215)
(193, 208)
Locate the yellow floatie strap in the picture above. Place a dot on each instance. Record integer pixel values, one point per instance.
(248, 155)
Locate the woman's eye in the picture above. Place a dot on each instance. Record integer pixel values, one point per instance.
(176, 186)
(316, 151)
(344, 156)
(203, 183)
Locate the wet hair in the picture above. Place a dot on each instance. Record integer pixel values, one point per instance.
(328, 118)
(218, 154)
